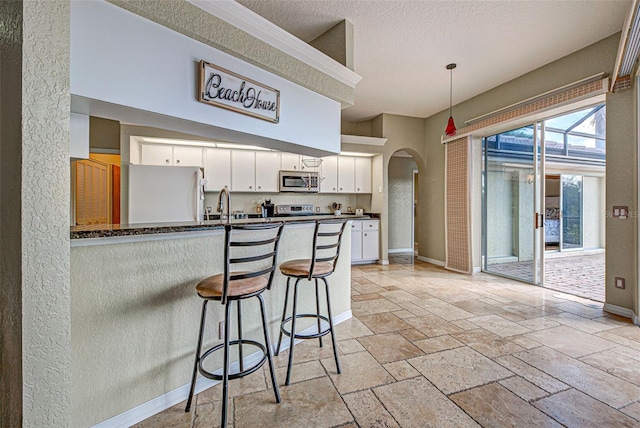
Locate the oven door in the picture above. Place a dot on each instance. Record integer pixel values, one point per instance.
(294, 181)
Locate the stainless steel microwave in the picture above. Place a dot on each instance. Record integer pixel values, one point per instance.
(298, 181)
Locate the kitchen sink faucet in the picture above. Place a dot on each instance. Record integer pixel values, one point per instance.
(224, 216)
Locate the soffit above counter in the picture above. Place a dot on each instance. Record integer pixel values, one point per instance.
(234, 29)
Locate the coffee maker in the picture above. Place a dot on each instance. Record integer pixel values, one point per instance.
(268, 208)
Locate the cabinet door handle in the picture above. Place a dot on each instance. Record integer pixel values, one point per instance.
(358, 189)
(167, 161)
(259, 187)
(365, 234)
(334, 188)
(341, 188)
(177, 160)
(295, 167)
(250, 187)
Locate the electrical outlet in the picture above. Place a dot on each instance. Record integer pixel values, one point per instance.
(619, 282)
(221, 330)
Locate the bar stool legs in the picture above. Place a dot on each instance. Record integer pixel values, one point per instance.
(198, 350)
(295, 315)
(272, 369)
(225, 364)
(333, 336)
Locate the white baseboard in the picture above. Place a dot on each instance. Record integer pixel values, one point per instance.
(476, 269)
(432, 261)
(623, 312)
(400, 250)
(383, 262)
(171, 398)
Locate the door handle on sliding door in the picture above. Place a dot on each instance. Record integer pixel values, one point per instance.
(539, 220)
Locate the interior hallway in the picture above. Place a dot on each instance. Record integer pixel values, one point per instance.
(428, 347)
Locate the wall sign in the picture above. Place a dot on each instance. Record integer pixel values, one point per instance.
(226, 89)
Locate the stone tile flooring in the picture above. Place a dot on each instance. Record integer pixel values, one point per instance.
(431, 348)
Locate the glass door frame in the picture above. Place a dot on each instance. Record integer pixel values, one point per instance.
(538, 249)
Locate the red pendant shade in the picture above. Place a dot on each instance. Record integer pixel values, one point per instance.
(451, 128)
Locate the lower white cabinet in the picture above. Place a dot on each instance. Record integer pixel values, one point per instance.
(365, 235)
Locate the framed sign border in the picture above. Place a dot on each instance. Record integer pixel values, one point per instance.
(202, 83)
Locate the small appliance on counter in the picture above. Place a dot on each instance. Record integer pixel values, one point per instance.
(288, 210)
(336, 208)
(359, 211)
(268, 209)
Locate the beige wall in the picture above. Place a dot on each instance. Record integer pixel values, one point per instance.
(104, 134)
(34, 208)
(622, 189)
(401, 202)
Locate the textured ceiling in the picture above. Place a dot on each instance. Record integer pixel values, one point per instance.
(402, 46)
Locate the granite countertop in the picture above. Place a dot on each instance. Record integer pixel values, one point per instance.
(110, 230)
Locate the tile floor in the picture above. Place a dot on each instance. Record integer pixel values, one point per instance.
(427, 347)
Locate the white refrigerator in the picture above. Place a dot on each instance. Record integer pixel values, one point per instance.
(164, 194)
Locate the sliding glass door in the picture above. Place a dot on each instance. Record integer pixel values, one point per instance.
(511, 191)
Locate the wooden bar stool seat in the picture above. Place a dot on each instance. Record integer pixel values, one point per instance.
(254, 248)
(325, 251)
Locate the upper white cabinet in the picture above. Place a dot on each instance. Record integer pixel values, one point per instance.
(267, 166)
(363, 175)
(163, 154)
(187, 156)
(243, 171)
(293, 162)
(217, 169)
(152, 154)
(346, 174)
(290, 162)
(257, 171)
(329, 175)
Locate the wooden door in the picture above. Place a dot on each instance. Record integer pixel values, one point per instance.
(92, 193)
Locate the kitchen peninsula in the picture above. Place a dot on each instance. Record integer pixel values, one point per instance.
(135, 311)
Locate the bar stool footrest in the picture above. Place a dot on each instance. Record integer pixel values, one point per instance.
(310, 335)
(235, 375)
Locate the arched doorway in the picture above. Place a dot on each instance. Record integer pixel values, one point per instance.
(403, 214)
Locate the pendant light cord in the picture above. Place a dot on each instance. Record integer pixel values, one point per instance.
(450, 91)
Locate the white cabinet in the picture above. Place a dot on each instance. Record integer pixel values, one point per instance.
(156, 154)
(363, 174)
(329, 175)
(164, 154)
(365, 237)
(346, 174)
(243, 171)
(187, 156)
(290, 162)
(217, 169)
(267, 166)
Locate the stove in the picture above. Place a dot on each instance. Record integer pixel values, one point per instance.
(289, 210)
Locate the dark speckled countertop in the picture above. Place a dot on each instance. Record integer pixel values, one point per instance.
(111, 230)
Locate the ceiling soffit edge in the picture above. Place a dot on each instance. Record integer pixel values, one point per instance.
(252, 23)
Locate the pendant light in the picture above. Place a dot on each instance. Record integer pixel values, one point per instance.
(451, 127)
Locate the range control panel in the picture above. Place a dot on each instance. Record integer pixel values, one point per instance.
(295, 209)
